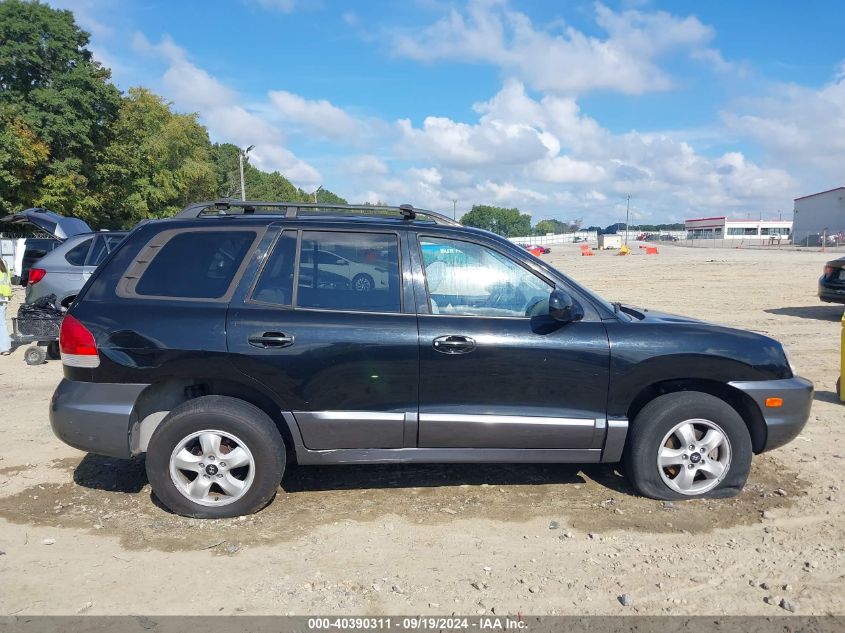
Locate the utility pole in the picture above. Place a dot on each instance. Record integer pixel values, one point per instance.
(627, 216)
(241, 155)
(454, 208)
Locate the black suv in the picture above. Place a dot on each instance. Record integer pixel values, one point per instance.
(240, 335)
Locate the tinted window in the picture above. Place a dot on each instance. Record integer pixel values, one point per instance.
(76, 256)
(349, 271)
(98, 252)
(470, 279)
(196, 264)
(276, 282)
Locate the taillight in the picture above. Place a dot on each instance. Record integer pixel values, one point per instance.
(828, 271)
(79, 349)
(36, 275)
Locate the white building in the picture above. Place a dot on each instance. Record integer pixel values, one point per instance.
(820, 213)
(722, 228)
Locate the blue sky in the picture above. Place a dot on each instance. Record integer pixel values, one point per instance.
(559, 108)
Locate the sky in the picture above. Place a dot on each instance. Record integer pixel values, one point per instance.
(559, 108)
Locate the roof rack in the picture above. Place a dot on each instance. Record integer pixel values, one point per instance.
(292, 210)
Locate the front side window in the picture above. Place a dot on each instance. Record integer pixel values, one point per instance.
(469, 279)
(349, 271)
(196, 264)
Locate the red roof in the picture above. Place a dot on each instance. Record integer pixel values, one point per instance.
(820, 193)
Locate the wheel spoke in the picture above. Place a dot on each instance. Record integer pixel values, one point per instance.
(712, 440)
(198, 488)
(236, 458)
(684, 478)
(712, 469)
(671, 456)
(686, 433)
(185, 460)
(210, 443)
(231, 485)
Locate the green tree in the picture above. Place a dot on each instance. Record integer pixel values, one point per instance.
(507, 222)
(53, 89)
(556, 227)
(157, 163)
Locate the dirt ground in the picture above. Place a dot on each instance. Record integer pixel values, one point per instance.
(82, 534)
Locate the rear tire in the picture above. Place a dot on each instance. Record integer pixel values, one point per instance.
(362, 282)
(661, 465)
(53, 351)
(186, 458)
(34, 356)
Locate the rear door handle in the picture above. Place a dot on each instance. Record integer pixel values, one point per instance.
(453, 344)
(271, 339)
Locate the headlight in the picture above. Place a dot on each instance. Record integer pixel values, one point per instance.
(789, 359)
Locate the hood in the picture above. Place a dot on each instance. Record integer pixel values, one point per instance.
(58, 226)
(653, 316)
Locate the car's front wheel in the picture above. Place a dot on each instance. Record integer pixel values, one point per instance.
(215, 457)
(686, 445)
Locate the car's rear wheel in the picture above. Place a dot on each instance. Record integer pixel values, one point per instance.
(215, 457)
(687, 445)
(362, 282)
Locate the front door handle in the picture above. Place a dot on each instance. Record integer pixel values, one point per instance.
(273, 340)
(453, 344)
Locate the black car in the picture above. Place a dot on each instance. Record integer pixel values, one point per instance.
(222, 346)
(832, 281)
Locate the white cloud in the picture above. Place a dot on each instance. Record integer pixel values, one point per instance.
(799, 128)
(365, 164)
(318, 116)
(194, 89)
(563, 59)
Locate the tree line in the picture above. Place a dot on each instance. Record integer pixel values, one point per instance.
(72, 142)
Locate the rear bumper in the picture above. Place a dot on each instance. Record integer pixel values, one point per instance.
(783, 424)
(95, 417)
(831, 294)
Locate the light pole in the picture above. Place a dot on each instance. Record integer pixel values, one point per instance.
(241, 156)
(316, 191)
(627, 215)
(454, 208)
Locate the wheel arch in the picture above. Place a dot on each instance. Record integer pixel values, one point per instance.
(157, 400)
(741, 402)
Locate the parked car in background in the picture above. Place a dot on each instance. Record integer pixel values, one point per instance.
(52, 229)
(66, 268)
(832, 281)
(209, 343)
(536, 250)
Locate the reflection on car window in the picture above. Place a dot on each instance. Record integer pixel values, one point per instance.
(470, 279)
(276, 282)
(98, 252)
(349, 271)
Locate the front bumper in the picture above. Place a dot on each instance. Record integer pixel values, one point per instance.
(784, 423)
(95, 417)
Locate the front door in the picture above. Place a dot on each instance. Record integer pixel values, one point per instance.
(341, 355)
(495, 370)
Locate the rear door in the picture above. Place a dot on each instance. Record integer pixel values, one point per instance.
(343, 360)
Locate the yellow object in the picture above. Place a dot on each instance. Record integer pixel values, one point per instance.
(624, 250)
(5, 284)
(840, 384)
(774, 403)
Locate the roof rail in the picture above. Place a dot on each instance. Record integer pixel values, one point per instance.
(289, 210)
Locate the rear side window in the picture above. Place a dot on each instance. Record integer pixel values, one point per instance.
(349, 271)
(76, 256)
(98, 252)
(195, 264)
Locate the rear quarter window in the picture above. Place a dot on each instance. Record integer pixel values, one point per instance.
(189, 264)
(76, 256)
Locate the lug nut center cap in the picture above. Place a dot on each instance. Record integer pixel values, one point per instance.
(694, 458)
(211, 469)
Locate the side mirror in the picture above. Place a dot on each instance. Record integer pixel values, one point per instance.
(563, 308)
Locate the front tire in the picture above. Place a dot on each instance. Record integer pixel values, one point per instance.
(688, 445)
(215, 457)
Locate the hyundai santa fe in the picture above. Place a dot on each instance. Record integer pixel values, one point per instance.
(233, 339)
